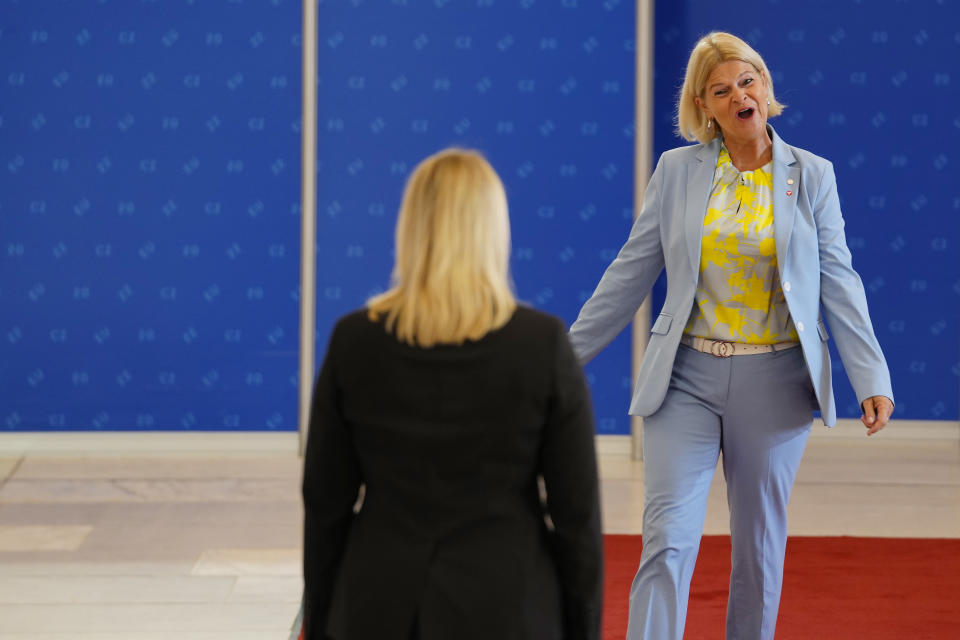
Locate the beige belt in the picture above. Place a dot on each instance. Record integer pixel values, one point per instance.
(722, 349)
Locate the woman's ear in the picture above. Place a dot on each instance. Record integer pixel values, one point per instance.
(702, 107)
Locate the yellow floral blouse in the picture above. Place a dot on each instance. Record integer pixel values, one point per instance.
(739, 297)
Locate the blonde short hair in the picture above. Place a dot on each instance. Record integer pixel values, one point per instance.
(710, 51)
(451, 279)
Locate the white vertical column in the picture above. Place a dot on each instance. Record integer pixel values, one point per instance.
(308, 216)
(643, 167)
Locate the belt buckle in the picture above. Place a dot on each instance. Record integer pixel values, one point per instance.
(721, 349)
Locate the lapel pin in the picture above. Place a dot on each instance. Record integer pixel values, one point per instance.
(789, 180)
(789, 193)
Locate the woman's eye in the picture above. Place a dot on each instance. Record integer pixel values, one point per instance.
(747, 81)
(720, 92)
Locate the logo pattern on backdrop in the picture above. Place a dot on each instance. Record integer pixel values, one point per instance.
(544, 89)
(149, 197)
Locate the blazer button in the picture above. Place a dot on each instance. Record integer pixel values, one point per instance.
(799, 326)
(786, 286)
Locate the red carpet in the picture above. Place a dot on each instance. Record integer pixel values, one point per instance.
(833, 589)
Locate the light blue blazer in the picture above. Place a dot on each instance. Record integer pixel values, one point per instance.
(814, 263)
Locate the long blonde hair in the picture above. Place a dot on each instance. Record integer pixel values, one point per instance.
(710, 51)
(451, 278)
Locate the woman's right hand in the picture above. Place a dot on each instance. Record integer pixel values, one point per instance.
(876, 413)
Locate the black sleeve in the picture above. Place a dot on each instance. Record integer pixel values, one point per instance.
(331, 481)
(569, 467)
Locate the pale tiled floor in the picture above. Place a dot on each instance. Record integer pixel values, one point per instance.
(205, 545)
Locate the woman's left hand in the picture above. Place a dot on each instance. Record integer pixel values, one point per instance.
(876, 413)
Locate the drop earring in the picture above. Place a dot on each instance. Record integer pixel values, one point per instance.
(709, 123)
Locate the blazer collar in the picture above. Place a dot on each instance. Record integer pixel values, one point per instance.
(699, 179)
(782, 152)
(710, 151)
(786, 189)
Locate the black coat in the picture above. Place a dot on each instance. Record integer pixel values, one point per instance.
(449, 441)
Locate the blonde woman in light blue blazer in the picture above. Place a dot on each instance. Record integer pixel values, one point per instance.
(751, 236)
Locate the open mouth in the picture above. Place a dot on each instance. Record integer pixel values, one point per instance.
(744, 114)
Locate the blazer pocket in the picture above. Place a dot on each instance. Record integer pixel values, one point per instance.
(822, 330)
(662, 325)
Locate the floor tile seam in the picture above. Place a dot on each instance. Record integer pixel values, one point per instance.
(113, 576)
(836, 532)
(12, 472)
(101, 502)
(900, 536)
(907, 484)
(147, 479)
(108, 602)
(107, 577)
(863, 483)
(232, 590)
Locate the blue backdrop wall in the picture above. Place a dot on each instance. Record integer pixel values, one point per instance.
(871, 86)
(149, 188)
(150, 177)
(544, 89)
(151, 180)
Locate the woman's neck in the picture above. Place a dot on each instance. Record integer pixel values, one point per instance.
(750, 154)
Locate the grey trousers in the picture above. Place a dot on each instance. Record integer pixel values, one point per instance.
(755, 411)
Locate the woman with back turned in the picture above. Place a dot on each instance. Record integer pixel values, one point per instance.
(750, 233)
(447, 401)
